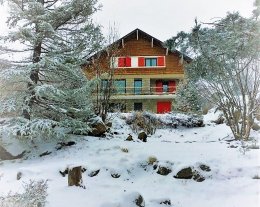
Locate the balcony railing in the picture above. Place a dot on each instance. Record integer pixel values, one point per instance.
(143, 91)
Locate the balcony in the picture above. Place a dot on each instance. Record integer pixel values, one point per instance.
(143, 93)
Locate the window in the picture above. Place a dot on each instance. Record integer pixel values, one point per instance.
(119, 86)
(166, 86)
(137, 86)
(138, 106)
(150, 62)
(104, 84)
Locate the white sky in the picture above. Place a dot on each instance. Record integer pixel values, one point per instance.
(160, 18)
(164, 18)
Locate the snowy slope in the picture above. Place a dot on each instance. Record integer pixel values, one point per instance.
(229, 183)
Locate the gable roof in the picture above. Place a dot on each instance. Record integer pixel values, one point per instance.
(141, 34)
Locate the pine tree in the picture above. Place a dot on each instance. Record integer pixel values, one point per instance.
(47, 87)
(227, 63)
(187, 98)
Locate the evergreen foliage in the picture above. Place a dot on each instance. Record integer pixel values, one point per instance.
(225, 67)
(45, 83)
(187, 98)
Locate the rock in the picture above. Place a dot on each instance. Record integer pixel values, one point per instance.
(94, 173)
(198, 177)
(5, 155)
(219, 120)
(115, 175)
(205, 168)
(45, 153)
(166, 202)
(19, 176)
(98, 129)
(139, 201)
(142, 136)
(109, 124)
(65, 144)
(83, 170)
(185, 173)
(75, 176)
(115, 133)
(163, 170)
(2, 122)
(132, 199)
(155, 167)
(256, 127)
(129, 138)
(64, 173)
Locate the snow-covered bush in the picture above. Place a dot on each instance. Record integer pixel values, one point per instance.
(179, 119)
(143, 121)
(149, 122)
(34, 195)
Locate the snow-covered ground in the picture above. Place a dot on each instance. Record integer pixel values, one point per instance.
(229, 183)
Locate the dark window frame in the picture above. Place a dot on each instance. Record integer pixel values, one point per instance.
(138, 106)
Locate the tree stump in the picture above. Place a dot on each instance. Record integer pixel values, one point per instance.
(75, 176)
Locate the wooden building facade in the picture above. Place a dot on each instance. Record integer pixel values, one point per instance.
(145, 73)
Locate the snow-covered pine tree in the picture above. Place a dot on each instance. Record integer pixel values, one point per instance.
(226, 68)
(187, 98)
(46, 86)
(227, 62)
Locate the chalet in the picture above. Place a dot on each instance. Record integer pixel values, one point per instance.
(145, 72)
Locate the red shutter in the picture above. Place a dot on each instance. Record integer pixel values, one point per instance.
(128, 62)
(172, 86)
(160, 61)
(140, 61)
(159, 86)
(121, 62)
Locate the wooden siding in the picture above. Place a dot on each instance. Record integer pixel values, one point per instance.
(140, 47)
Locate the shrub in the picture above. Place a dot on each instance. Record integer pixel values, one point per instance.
(34, 195)
(143, 121)
(178, 119)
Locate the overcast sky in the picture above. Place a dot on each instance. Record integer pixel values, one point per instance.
(160, 18)
(164, 18)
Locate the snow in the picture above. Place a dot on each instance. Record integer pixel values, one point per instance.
(229, 183)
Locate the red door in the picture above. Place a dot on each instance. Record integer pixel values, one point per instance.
(164, 107)
(159, 86)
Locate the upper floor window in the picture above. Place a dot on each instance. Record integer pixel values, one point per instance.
(150, 62)
(137, 62)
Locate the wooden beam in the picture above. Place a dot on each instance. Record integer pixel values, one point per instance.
(152, 42)
(123, 43)
(137, 35)
(167, 51)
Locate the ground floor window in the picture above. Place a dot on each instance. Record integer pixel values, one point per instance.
(138, 106)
